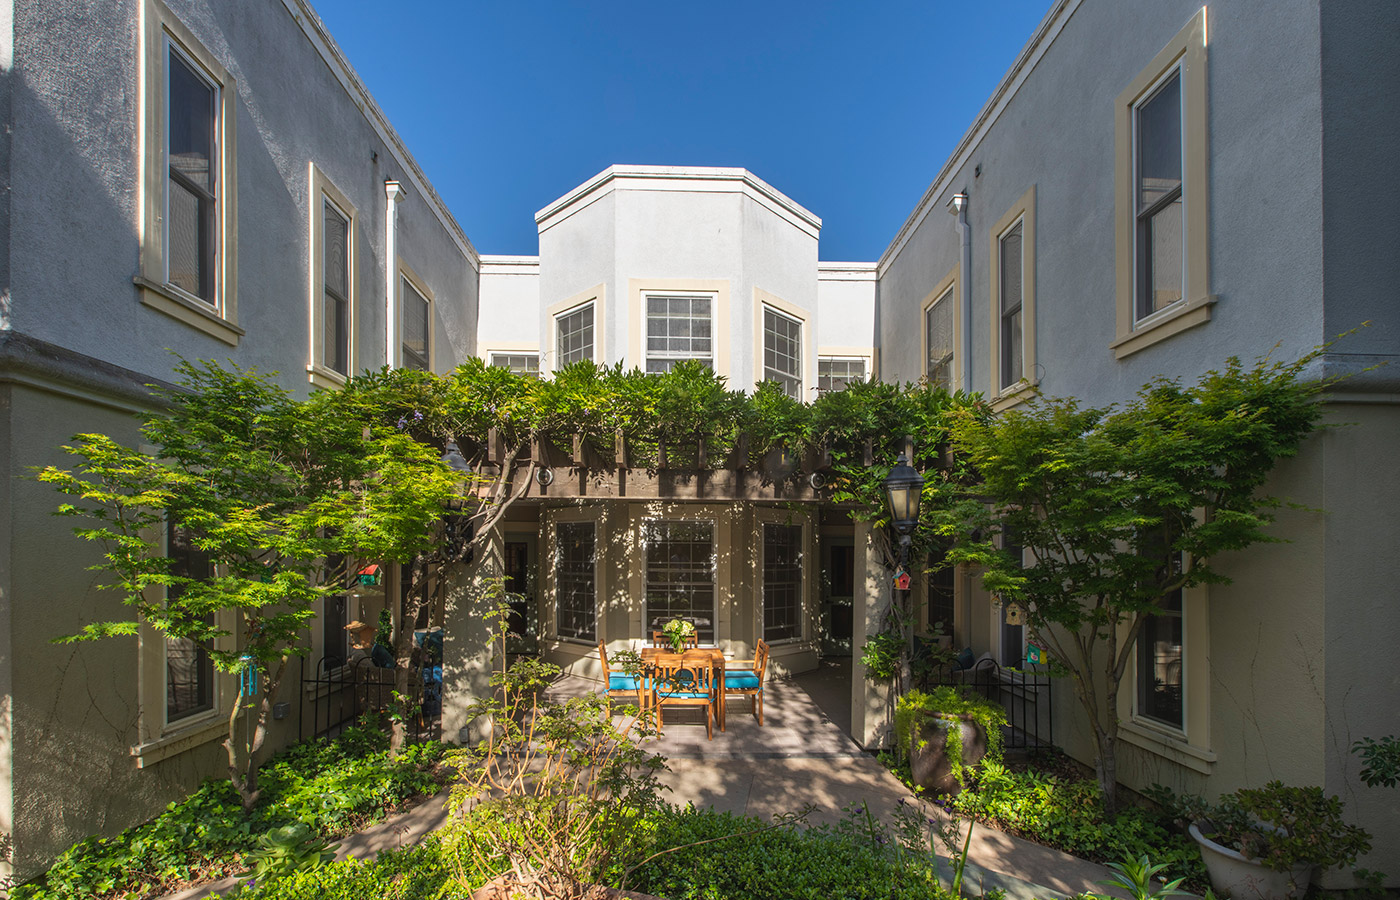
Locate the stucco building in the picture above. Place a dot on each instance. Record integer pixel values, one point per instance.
(1153, 187)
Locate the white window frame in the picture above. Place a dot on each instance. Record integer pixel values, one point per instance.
(1185, 54)
(648, 355)
(324, 191)
(408, 278)
(801, 361)
(162, 34)
(863, 360)
(492, 355)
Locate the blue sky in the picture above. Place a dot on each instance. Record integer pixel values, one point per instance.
(850, 109)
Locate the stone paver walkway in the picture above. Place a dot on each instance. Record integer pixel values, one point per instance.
(800, 756)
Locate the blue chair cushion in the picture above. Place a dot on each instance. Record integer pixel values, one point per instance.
(741, 681)
(671, 695)
(622, 682)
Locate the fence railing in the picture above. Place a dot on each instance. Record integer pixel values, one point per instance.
(336, 694)
(1024, 693)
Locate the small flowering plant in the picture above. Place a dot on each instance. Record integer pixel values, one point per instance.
(678, 631)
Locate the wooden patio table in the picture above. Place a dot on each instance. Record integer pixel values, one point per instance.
(651, 654)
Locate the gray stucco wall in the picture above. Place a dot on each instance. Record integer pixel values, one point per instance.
(74, 244)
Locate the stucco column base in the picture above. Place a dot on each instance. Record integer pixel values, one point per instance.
(469, 650)
(871, 726)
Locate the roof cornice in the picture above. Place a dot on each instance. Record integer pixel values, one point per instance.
(1030, 54)
(847, 271)
(320, 38)
(683, 178)
(509, 265)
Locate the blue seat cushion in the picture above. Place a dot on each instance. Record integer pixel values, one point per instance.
(692, 695)
(741, 681)
(622, 682)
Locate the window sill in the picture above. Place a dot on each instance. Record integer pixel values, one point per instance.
(1014, 395)
(1161, 325)
(1169, 745)
(322, 377)
(182, 307)
(190, 735)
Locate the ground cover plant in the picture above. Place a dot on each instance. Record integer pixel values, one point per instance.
(330, 788)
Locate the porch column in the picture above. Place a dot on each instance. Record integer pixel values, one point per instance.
(870, 724)
(467, 647)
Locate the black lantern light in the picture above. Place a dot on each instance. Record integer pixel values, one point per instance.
(903, 490)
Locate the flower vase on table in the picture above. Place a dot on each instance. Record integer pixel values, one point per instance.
(678, 631)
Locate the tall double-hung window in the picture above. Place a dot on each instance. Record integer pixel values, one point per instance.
(1012, 258)
(680, 574)
(1160, 251)
(417, 328)
(335, 288)
(1161, 646)
(192, 189)
(1013, 361)
(679, 328)
(574, 336)
(938, 339)
(1161, 195)
(189, 670)
(782, 351)
(782, 581)
(576, 580)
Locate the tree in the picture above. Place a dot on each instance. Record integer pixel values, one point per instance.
(268, 489)
(1121, 507)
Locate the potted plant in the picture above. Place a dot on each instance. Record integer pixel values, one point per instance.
(945, 733)
(1265, 843)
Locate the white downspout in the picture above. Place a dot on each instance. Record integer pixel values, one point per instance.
(392, 190)
(958, 207)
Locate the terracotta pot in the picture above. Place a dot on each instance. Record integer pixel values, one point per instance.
(1236, 876)
(928, 759)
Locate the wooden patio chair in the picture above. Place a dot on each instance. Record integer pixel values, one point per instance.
(685, 679)
(744, 677)
(659, 639)
(621, 682)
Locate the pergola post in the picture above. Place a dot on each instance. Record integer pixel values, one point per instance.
(870, 723)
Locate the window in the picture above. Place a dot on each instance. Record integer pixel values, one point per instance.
(1013, 637)
(938, 339)
(188, 267)
(527, 364)
(782, 351)
(941, 592)
(782, 582)
(679, 328)
(574, 336)
(680, 574)
(335, 283)
(335, 640)
(191, 197)
(189, 670)
(1012, 360)
(1162, 195)
(417, 325)
(1159, 654)
(1159, 254)
(1011, 282)
(834, 374)
(575, 581)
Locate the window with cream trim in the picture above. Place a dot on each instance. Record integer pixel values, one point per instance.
(782, 351)
(417, 312)
(574, 336)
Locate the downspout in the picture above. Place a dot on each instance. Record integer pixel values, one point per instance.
(958, 207)
(392, 190)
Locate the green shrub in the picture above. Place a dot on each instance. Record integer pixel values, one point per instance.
(789, 862)
(1068, 814)
(333, 788)
(422, 871)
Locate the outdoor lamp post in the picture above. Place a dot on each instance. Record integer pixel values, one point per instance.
(903, 490)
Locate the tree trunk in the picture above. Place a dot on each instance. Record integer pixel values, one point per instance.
(404, 672)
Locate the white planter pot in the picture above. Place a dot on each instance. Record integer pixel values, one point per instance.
(1233, 875)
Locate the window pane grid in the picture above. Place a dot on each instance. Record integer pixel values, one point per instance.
(416, 312)
(681, 574)
(575, 336)
(192, 156)
(527, 364)
(335, 277)
(835, 374)
(938, 333)
(1160, 654)
(678, 328)
(782, 582)
(1158, 199)
(1011, 296)
(575, 581)
(782, 352)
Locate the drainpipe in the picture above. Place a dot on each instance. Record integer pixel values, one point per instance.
(392, 191)
(958, 207)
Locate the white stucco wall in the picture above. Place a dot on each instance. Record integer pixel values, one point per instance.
(508, 318)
